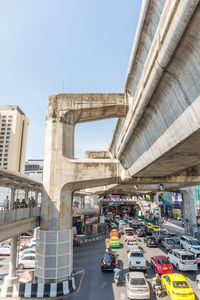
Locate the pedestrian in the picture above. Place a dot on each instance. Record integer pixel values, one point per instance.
(6, 203)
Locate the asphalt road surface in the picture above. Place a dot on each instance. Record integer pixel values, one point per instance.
(97, 285)
(93, 284)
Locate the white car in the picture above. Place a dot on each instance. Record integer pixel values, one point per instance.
(27, 251)
(196, 254)
(4, 249)
(32, 242)
(169, 243)
(137, 286)
(189, 243)
(26, 261)
(183, 260)
(136, 260)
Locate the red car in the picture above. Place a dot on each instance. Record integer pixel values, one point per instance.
(161, 265)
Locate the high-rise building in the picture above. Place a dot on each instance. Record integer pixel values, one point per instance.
(13, 137)
(34, 168)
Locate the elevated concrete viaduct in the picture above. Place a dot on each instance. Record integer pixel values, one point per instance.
(160, 135)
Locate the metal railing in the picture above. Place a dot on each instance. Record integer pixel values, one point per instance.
(90, 237)
(16, 214)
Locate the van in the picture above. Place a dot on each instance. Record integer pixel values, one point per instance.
(128, 232)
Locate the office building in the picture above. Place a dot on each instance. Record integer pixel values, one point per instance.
(34, 168)
(13, 137)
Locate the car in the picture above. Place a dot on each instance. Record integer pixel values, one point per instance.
(26, 251)
(114, 242)
(140, 232)
(32, 242)
(161, 265)
(149, 225)
(160, 234)
(4, 249)
(148, 230)
(113, 225)
(109, 262)
(155, 228)
(114, 233)
(117, 219)
(183, 260)
(26, 261)
(189, 243)
(132, 242)
(137, 286)
(196, 254)
(198, 281)
(150, 241)
(169, 243)
(177, 287)
(128, 232)
(130, 220)
(136, 260)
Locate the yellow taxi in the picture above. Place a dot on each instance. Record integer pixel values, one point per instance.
(149, 225)
(155, 228)
(114, 242)
(177, 287)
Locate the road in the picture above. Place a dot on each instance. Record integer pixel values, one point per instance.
(97, 285)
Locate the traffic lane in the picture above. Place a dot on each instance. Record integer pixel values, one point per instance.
(190, 275)
(123, 255)
(96, 284)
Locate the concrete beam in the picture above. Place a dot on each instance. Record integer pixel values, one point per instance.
(16, 228)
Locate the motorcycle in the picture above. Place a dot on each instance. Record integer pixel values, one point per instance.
(76, 243)
(117, 280)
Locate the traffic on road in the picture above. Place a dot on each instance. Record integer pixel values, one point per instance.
(161, 264)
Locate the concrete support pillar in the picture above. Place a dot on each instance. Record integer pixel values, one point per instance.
(12, 199)
(26, 196)
(189, 210)
(36, 197)
(82, 202)
(55, 239)
(11, 278)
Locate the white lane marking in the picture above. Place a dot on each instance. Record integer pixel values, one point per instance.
(122, 296)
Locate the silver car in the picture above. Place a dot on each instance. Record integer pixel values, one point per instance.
(169, 243)
(137, 286)
(136, 260)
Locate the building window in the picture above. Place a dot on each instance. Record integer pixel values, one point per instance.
(5, 164)
(10, 116)
(6, 150)
(3, 128)
(9, 120)
(9, 124)
(6, 155)
(4, 117)
(2, 132)
(4, 124)
(5, 159)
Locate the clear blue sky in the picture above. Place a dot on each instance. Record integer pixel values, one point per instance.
(53, 46)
